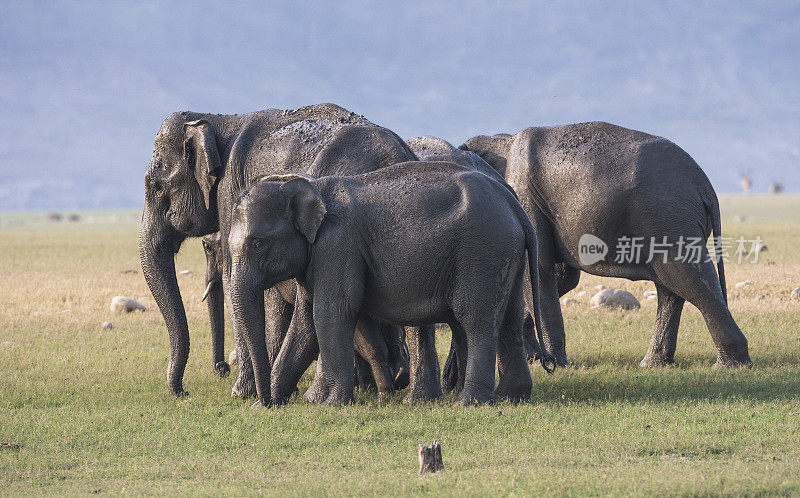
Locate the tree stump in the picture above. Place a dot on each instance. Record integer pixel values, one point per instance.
(430, 458)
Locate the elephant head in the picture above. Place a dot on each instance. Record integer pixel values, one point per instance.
(215, 299)
(180, 185)
(273, 228)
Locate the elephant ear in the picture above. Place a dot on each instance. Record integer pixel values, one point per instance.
(200, 148)
(305, 206)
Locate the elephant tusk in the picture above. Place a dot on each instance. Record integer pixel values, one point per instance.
(208, 289)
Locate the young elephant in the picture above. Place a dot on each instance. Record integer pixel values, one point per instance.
(411, 244)
(380, 359)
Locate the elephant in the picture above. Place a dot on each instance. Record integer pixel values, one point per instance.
(373, 351)
(430, 148)
(413, 243)
(590, 185)
(202, 162)
(215, 301)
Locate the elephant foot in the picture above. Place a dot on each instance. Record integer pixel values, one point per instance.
(474, 395)
(245, 387)
(515, 393)
(655, 360)
(222, 368)
(424, 390)
(323, 392)
(737, 359)
(281, 394)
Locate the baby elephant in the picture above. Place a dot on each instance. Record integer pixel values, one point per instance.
(413, 243)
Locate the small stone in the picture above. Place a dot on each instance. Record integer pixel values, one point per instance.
(568, 301)
(739, 218)
(122, 304)
(614, 298)
(186, 272)
(743, 284)
(107, 326)
(796, 293)
(600, 287)
(582, 294)
(648, 294)
(430, 458)
(760, 298)
(759, 248)
(233, 359)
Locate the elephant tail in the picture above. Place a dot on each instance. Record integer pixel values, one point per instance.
(716, 233)
(531, 245)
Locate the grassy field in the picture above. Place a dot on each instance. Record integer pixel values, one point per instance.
(90, 410)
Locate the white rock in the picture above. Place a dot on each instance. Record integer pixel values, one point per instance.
(739, 218)
(582, 294)
(568, 301)
(186, 272)
(796, 293)
(652, 297)
(649, 293)
(107, 326)
(614, 298)
(233, 359)
(743, 284)
(122, 304)
(600, 287)
(760, 298)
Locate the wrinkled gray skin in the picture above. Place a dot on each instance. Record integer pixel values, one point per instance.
(601, 179)
(200, 164)
(436, 149)
(215, 300)
(411, 244)
(389, 350)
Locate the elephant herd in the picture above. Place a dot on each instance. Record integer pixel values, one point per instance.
(329, 238)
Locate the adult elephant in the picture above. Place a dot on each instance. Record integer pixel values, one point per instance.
(200, 164)
(603, 186)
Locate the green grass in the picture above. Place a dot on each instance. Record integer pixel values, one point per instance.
(91, 411)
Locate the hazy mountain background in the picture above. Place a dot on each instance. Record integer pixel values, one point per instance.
(85, 86)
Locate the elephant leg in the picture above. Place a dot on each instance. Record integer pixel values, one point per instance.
(480, 364)
(552, 274)
(665, 336)
(514, 374)
(424, 364)
(456, 363)
(370, 344)
(699, 284)
(334, 377)
(298, 350)
(278, 318)
(364, 379)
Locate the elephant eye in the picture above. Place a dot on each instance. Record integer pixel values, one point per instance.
(257, 243)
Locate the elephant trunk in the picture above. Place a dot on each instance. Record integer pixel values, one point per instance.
(247, 302)
(156, 251)
(215, 300)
